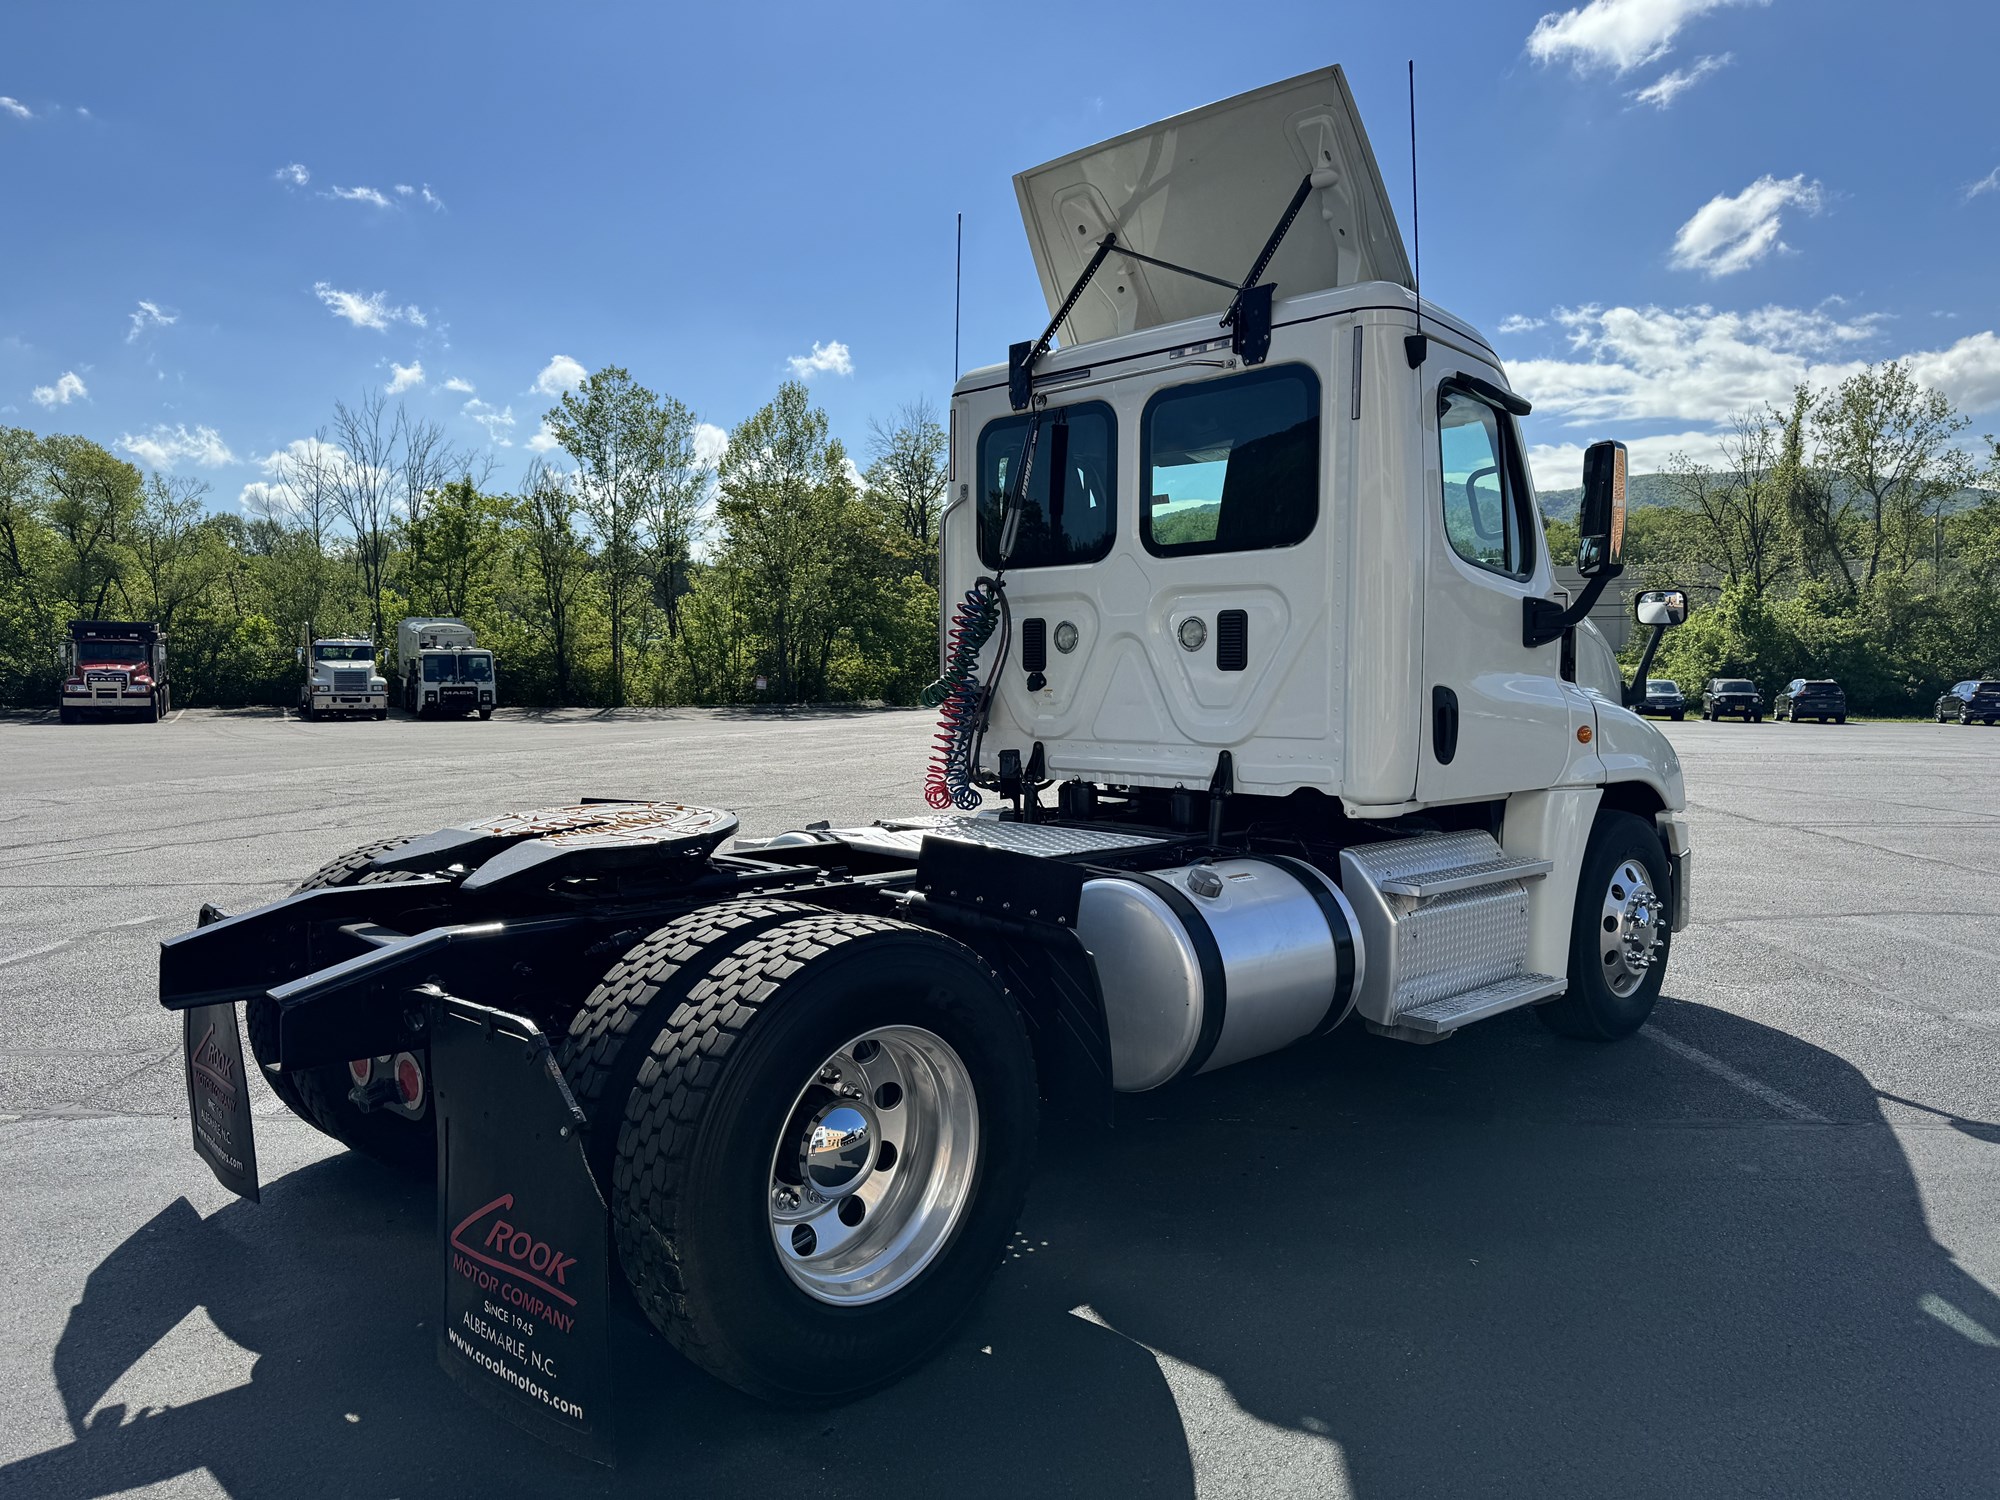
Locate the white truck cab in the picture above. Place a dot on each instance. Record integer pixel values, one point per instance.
(443, 669)
(341, 679)
(1306, 568)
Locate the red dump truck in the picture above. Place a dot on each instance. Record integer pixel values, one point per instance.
(115, 666)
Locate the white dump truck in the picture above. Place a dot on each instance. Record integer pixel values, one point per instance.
(1263, 715)
(443, 669)
(341, 679)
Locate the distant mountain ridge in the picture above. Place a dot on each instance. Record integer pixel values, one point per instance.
(1657, 489)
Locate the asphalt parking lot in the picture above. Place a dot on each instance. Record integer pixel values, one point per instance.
(1751, 1251)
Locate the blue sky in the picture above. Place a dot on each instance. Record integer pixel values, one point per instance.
(219, 219)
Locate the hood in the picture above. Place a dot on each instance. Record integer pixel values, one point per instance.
(1204, 190)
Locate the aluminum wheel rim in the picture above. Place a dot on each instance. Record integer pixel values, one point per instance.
(1634, 920)
(873, 1166)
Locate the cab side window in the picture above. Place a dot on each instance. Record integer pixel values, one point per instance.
(1485, 497)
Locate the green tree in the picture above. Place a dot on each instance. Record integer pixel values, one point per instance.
(622, 439)
(907, 479)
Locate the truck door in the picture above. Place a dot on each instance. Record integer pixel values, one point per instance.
(1497, 717)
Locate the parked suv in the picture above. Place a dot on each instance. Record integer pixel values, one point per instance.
(1818, 698)
(1732, 697)
(1663, 697)
(1974, 701)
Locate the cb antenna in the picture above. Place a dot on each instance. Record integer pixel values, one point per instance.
(957, 280)
(1416, 346)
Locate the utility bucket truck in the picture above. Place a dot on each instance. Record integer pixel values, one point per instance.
(1251, 632)
(341, 679)
(443, 668)
(115, 666)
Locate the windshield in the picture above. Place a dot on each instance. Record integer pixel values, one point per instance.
(1662, 685)
(474, 666)
(126, 651)
(1989, 686)
(1819, 685)
(343, 653)
(1734, 685)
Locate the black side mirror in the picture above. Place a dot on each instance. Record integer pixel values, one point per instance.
(1600, 520)
(1665, 608)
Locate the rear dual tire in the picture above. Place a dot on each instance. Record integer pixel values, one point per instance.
(741, 1051)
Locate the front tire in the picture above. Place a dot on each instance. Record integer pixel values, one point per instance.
(825, 1153)
(1619, 934)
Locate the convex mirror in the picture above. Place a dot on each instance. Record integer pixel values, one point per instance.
(1666, 607)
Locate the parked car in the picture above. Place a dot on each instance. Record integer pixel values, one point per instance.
(1732, 698)
(1974, 701)
(1663, 698)
(1819, 698)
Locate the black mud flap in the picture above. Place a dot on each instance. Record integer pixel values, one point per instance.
(219, 1097)
(524, 1235)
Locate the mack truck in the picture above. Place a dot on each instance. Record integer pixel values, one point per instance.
(115, 666)
(341, 679)
(443, 669)
(1262, 715)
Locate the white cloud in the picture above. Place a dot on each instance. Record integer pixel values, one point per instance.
(360, 195)
(367, 309)
(497, 423)
(1688, 364)
(829, 358)
(1520, 323)
(403, 377)
(1617, 34)
(149, 315)
(430, 197)
(405, 189)
(1968, 372)
(466, 387)
(16, 108)
(1988, 184)
(65, 390)
(1559, 466)
(710, 443)
(1732, 234)
(293, 174)
(166, 446)
(1668, 87)
(560, 374)
(543, 440)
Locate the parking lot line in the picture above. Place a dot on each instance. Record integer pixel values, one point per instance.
(1782, 1102)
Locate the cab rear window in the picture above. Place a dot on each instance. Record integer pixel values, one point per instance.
(1232, 464)
(1069, 513)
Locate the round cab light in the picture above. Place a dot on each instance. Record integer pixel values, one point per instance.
(1583, 734)
(1065, 637)
(1193, 633)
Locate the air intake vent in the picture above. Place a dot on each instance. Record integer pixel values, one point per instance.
(1232, 640)
(1035, 645)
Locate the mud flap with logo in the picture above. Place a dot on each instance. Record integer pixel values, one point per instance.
(219, 1097)
(523, 1232)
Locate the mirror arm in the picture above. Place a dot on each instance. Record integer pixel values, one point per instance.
(1544, 620)
(1635, 690)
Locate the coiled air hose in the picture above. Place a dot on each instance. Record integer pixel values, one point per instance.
(963, 697)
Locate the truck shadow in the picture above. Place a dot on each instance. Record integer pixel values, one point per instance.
(1509, 1264)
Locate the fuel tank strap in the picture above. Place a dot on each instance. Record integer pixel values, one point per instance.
(1336, 924)
(1214, 978)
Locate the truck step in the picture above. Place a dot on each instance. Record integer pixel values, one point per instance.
(1454, 1011)
(1467, 877)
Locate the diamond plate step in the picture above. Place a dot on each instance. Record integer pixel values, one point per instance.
(1454, 1011)
(1466, 877)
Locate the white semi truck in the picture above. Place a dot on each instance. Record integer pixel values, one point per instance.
(1254, 649)
(341, 679)
(443, 669)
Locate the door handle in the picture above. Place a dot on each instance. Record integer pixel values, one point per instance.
(1444, 724)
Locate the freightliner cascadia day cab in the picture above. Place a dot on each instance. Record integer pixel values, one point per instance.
(1252, 639)
(115, 666)
(443, 669)
(341, 679)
